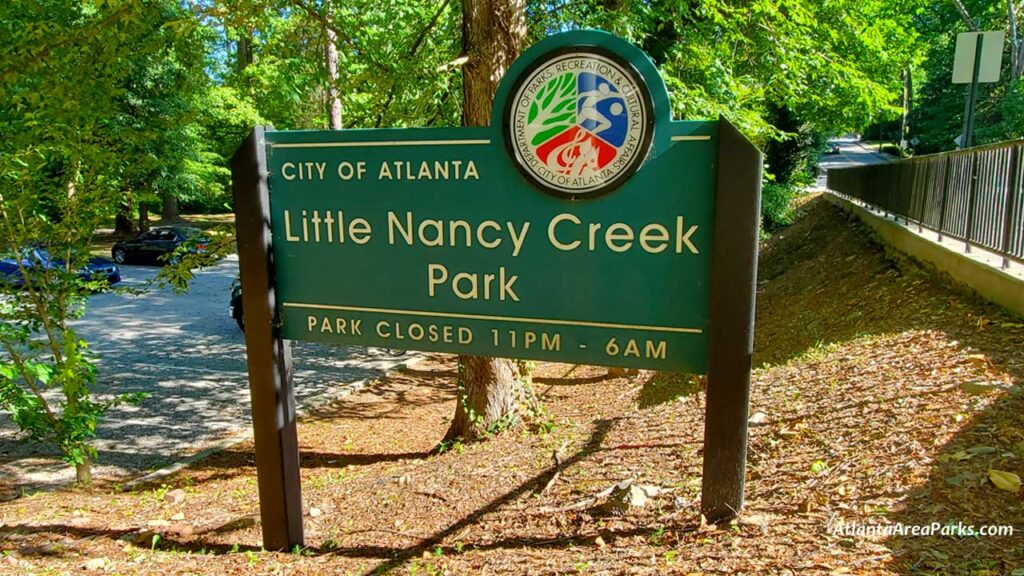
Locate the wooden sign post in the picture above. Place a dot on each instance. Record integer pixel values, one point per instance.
(584, 226)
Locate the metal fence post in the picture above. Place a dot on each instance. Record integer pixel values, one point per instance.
(972, 200)
(1012, 194)
(947, 179)
(923, 197)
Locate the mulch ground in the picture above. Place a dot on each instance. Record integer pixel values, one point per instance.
(886, 396)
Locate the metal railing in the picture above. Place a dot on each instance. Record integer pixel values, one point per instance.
(973, 195)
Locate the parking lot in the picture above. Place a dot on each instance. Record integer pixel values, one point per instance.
(189, 355)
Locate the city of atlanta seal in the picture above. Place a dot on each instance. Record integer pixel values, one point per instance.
(579, 123)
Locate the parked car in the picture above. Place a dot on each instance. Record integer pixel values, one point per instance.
(832, 147)
(151, 245)
(38, 258)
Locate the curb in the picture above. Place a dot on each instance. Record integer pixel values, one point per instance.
(308, 406)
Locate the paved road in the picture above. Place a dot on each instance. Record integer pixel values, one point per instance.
(188, 354)
(851, 153)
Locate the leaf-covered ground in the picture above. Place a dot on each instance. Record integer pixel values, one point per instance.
(887, 398)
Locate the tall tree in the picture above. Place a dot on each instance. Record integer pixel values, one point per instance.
(492, 392)
(334, 115)
(68, 69)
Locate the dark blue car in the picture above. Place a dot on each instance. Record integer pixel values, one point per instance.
(36, 258)
(156, 245)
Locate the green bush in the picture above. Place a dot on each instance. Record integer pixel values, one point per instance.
(893, 150)
(777, 205)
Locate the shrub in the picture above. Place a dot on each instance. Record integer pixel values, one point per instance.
(777, 205)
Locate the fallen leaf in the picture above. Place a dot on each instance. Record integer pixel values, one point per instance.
(980, 387)
(979, 360)
(93, 564)
(1005, 480)
(958, 456)
(957, 480)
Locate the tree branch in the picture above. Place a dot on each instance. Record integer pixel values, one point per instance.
(965, 15)
(412, 52)
(38, 56)
(433, 22)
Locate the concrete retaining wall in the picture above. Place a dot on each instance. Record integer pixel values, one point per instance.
(980, 270)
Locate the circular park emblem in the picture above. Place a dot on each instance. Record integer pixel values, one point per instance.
(579, 123)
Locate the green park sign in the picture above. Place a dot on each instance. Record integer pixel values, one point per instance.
(583, 225)
(539, 236)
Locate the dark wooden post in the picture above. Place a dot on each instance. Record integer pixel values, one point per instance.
(731, 335)
(269, 357)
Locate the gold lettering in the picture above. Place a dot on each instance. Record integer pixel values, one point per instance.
(394, 222)
(359, 231)
(517, 241)
(432, 279)
(682, 238)
(456, 224)
(438, 239)
(612, 236)
(554, 239)
(654, 233)
(472, 294)
(288, 228)
(480, 234)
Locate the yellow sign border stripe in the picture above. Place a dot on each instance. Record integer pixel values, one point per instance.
(497, 318)
(379, 143)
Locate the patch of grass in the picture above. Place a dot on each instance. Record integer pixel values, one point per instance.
(157, 494)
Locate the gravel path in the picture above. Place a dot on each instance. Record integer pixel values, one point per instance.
(188, 354)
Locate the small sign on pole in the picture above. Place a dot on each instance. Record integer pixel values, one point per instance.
(977, 59)
(584, 225)
(990, 59)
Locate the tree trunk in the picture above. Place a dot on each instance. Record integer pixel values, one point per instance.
(243, 54)
(169, 213)
(1016, 43)
(143, 217)
(493, 392)
(493, 34)
(334, 117)
(906, 108)
(124, 225)
(83, 472)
